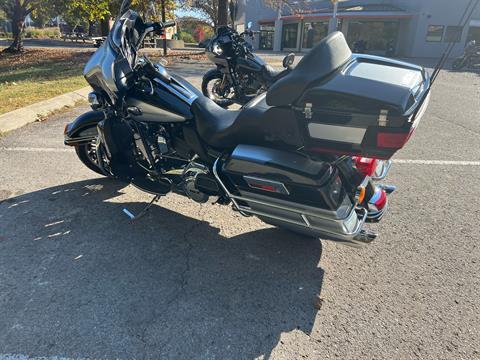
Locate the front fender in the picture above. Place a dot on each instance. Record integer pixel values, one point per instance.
(83, 129)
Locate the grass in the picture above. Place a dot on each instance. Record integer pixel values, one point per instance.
(39, 74)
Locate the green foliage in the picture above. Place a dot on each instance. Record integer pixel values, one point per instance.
(186, 37)
(87, 10)
(46, 33)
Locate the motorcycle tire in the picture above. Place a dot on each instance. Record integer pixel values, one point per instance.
(458, 64)
(84, 153)
(214, 75)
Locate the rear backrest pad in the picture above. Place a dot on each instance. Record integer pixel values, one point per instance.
(329, 55)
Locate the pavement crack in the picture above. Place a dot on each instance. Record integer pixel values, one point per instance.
(456, 124)
(187, 239)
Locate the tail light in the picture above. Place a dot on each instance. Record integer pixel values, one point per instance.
(388, 140)
(365, 166)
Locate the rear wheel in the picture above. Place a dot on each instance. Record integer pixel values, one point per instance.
(87, 153)
(213, 88)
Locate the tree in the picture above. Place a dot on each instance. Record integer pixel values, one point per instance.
(222, 13)
(89, 11)
(17, 10)
(208, 9)
(291, 5)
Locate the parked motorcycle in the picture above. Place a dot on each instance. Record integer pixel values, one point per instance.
(240, 74)
(306, 155)
(470, 57)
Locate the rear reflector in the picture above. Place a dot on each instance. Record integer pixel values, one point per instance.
(266, 185)
(392, 140)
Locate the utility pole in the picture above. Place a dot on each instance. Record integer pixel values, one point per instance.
(164, 33)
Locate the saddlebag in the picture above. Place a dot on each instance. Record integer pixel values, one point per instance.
(369, 108)
(289, 189)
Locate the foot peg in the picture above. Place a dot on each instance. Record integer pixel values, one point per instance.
(143, 212)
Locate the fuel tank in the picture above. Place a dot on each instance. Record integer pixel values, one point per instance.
(165, 99)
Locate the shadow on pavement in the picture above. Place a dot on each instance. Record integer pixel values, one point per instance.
(78, 279)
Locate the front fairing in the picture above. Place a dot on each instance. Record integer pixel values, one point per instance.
(110, 70)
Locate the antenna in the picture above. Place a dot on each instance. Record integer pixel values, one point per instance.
(467, 14)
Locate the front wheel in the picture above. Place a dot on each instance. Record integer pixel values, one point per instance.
(87, 153)
(214, 89)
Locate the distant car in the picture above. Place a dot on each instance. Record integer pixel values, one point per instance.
(204, 43)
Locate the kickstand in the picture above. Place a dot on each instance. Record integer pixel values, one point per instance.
(143, 212)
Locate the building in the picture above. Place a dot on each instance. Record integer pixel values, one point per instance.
(410, 28)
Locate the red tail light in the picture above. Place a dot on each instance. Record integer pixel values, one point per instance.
(393, 140)
(366, 166)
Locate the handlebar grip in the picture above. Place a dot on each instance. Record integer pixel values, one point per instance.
(170, 23)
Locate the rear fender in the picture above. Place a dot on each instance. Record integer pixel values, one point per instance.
(83, 129)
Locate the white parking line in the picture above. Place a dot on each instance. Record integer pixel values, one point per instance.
(395, 161)
(436, 162)
(35, 149)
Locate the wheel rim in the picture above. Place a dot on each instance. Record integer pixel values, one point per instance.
(91, 151)
(214, 91)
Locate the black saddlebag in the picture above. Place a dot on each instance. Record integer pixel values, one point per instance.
(369, 108)
(285, 176)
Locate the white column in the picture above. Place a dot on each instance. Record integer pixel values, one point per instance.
(333, 21)
(277, 35)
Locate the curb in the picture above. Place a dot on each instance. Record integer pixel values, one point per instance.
(31, 113)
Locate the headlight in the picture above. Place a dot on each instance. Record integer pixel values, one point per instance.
(216, 49)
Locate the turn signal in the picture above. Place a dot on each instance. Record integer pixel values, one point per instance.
(360, 196)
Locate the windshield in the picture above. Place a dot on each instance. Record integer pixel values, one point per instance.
(111, 67)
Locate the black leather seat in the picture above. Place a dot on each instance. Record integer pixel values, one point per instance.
(326, 57)
(225, 129)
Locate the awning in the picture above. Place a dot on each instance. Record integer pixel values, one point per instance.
(475, 23)
(363, 15)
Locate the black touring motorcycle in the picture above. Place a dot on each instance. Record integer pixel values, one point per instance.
(240, 75)
(305, 156)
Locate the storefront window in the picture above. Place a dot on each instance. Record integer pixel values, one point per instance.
(453, 34)
(435, 33)
(375, 36)
(313, 33)
(289, 36)
(266, 36)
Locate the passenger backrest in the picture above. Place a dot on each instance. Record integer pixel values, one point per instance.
(329, 55)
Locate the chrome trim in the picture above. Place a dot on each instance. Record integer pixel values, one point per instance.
(351, 236)
(188, 99)
(386, 168)
(76, 140)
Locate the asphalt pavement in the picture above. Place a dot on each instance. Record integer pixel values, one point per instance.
(79, 280)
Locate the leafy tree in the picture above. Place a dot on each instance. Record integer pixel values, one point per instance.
(17, 10)
(89, 11)
(206, 8)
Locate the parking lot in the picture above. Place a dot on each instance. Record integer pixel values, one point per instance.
(79, 280)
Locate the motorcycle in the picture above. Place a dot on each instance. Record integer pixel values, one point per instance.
(306, 156)
(470, 57)
(240, 75)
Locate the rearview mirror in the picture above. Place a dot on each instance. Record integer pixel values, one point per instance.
(288, 60)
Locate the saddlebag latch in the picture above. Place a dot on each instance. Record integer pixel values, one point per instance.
(307, 111)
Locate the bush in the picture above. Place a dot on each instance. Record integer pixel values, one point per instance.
(46, 33)
(186, 37)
